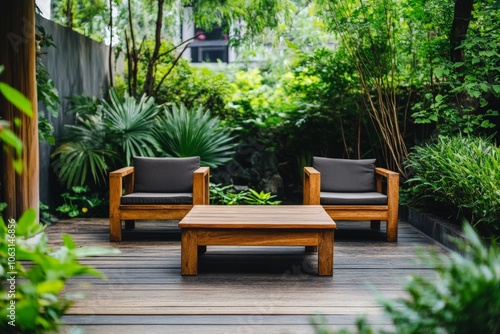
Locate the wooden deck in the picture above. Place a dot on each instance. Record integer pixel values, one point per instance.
(238, 289)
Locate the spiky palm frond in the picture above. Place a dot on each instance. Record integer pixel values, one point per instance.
(182, 133)
(84, 154)
(129, 124)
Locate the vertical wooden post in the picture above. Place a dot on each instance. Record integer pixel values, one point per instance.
(18, 56)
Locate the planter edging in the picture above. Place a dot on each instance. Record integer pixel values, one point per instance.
(437, 228)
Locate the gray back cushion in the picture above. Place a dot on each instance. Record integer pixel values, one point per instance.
(344, 175)
(164, 175)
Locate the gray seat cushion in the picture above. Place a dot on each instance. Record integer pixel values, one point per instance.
(164, 175)
(367, 198)
(346, 176)
(157, 198)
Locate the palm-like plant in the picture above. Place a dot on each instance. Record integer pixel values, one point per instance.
(84, 153)
(129, 122)
(183, 133)
(111, 134)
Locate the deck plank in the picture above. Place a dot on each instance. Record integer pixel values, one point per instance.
(238, 289)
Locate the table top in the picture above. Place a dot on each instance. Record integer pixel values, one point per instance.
(258, 216)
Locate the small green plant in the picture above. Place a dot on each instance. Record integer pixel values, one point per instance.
(78, 203)
(260, 198)
(225, 195)
(45, 215)
(228, 195)
(33, 276)
(463, 298)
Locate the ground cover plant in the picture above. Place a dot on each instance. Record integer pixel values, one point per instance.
(231, 195)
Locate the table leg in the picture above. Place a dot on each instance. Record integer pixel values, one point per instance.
(325, 253)
(189, 252)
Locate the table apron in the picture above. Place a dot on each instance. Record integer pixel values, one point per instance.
(256, 237)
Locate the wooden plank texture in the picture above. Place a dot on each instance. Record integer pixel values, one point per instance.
(238, 289)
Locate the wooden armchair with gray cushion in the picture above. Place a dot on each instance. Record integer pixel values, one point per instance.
(353, 190)
(155, 188)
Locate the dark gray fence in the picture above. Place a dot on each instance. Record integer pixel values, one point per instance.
(79, 66)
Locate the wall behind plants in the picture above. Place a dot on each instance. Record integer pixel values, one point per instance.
(77, 65)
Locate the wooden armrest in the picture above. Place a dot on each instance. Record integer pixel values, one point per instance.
(385, 172)
(311, 186)
(122, 172)
(119, 180)
(392, 184)
(201, 182)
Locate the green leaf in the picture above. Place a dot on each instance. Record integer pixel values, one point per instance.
(95, 251)
(17, 98)
(496, 88)
(487, 53)
(68, 241)
(50, 287)
(27, 224)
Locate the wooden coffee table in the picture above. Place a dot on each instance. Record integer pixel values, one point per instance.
(256, 225)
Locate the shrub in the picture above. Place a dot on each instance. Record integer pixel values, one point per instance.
(461, 171)
(464, 298)
(32, 298)
(105, 135)
(183, 133)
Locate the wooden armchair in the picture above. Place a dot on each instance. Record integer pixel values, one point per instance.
(353, 190)
(155, 188)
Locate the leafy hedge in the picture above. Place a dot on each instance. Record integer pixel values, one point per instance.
(460, 171)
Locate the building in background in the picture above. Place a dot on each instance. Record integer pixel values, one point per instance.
(209, 46)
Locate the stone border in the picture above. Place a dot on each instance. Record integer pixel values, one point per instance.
(437, 228)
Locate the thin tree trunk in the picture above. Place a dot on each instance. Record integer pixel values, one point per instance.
(132, 71)
(461, 20)
(18, 56)
(149, 81)
(110, 58)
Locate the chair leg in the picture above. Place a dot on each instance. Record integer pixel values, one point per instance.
(392, 230)
(375, 224)
(115, 229)
(129, 224)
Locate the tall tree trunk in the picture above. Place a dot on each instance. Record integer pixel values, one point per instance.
(18, 55)
(459, 27)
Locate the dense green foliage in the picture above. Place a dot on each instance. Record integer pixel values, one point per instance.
(463, 298)
(459, 172)
(350, 79)
(180, 132)
(107, 135)
(33, 300)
